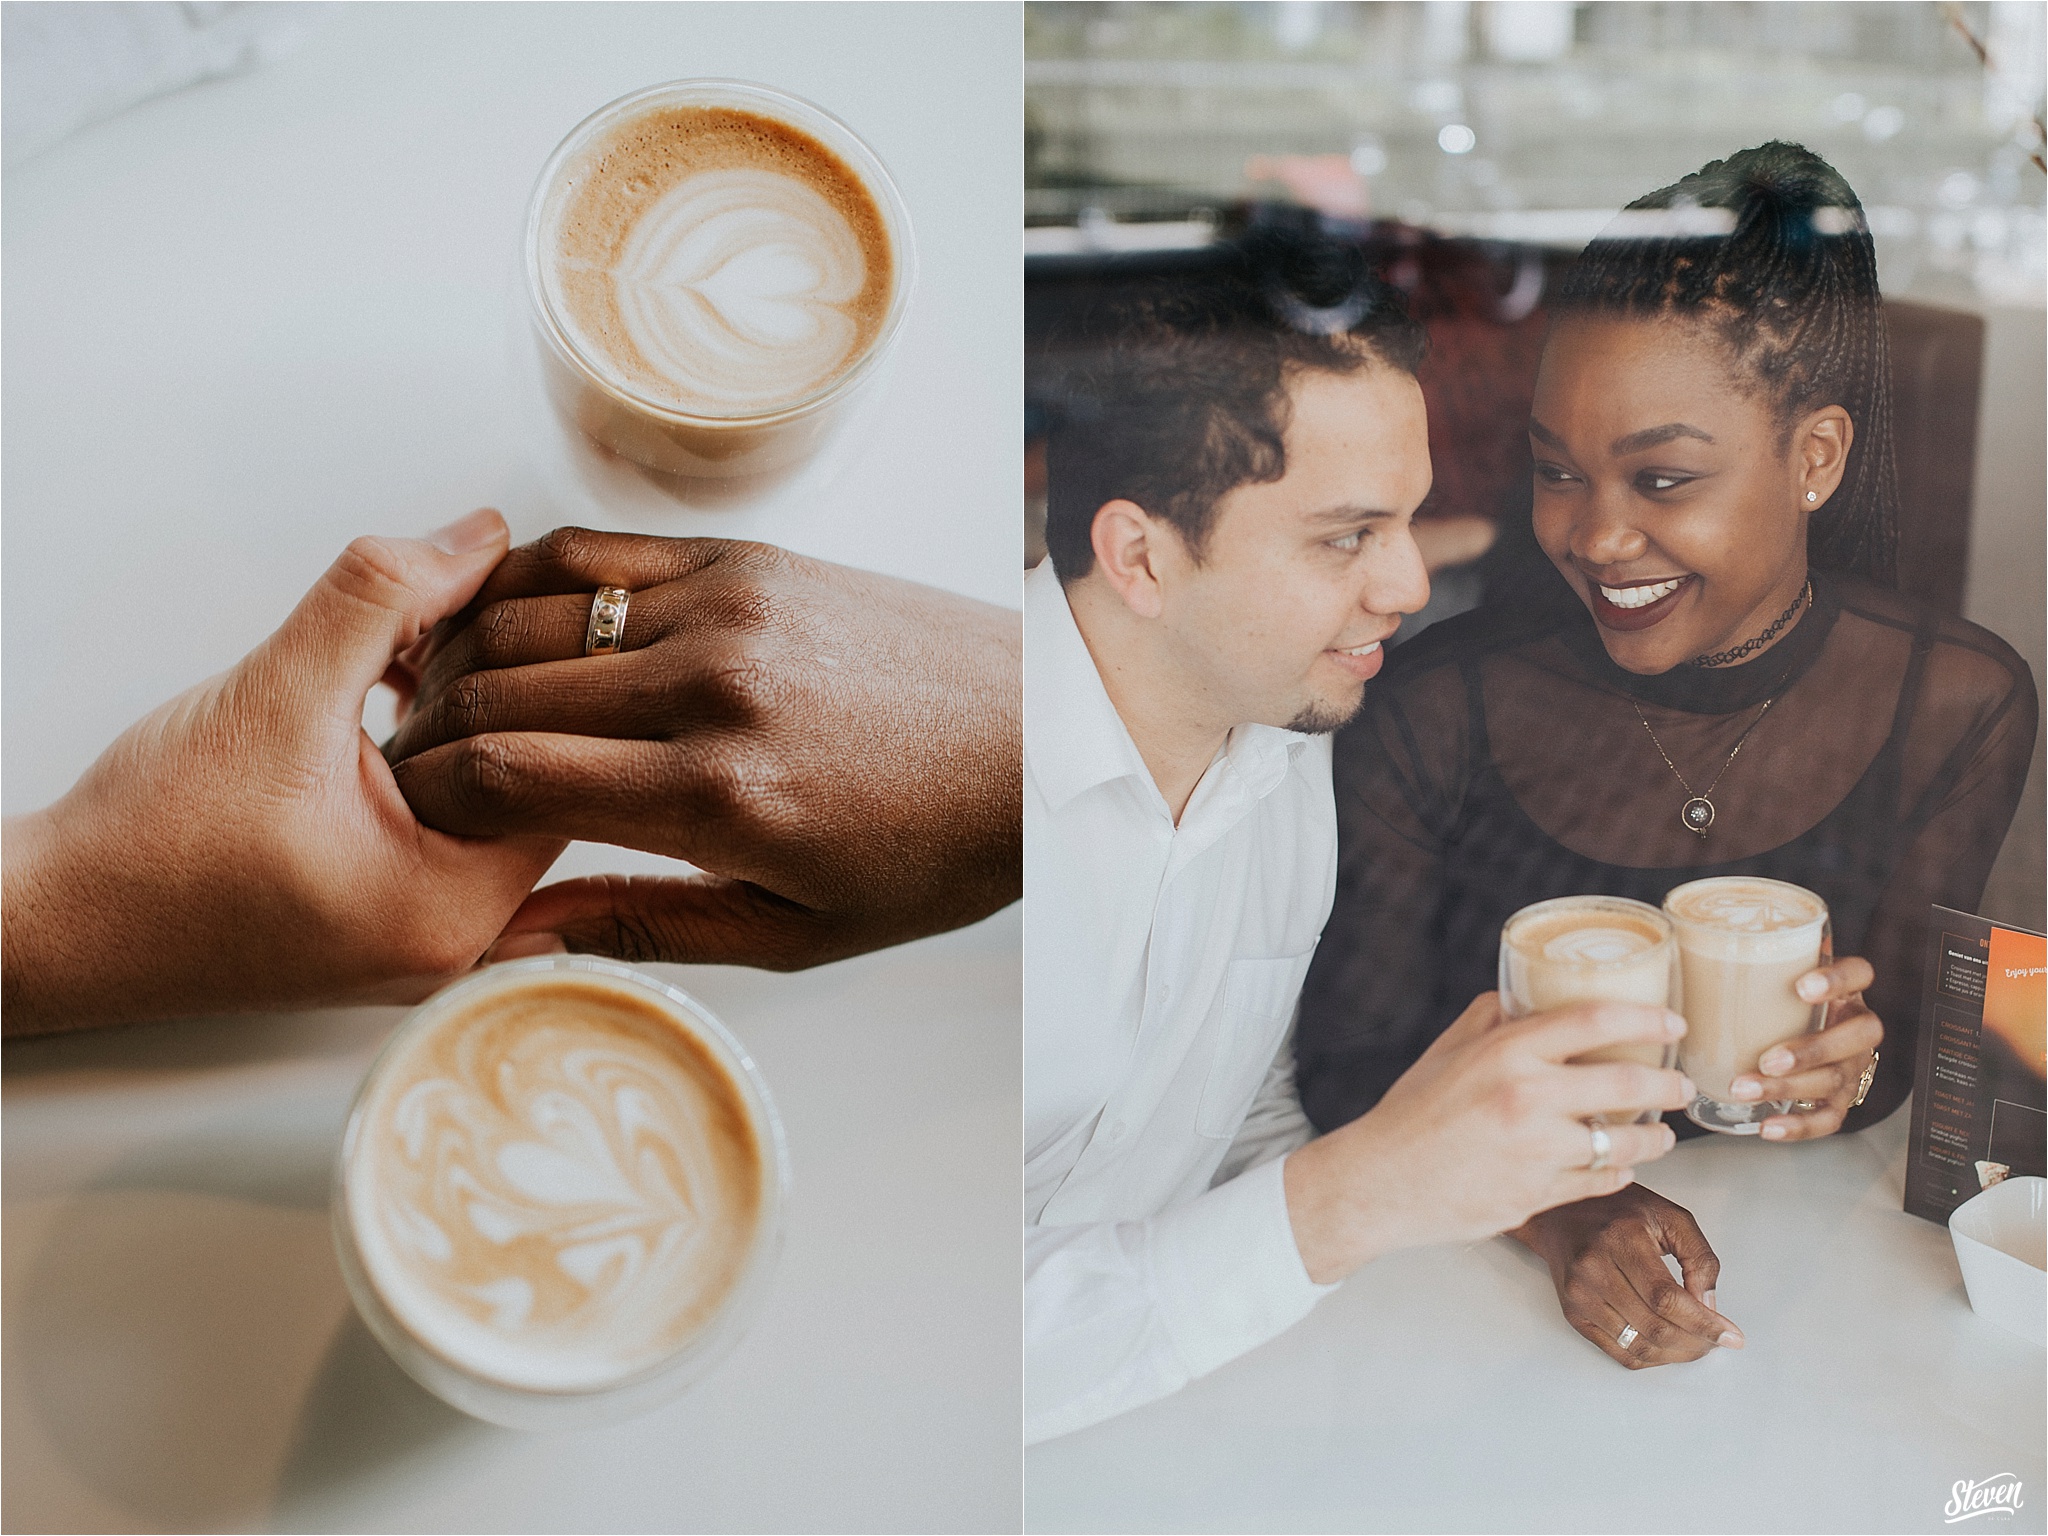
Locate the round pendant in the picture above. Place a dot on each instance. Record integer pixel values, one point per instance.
(1698, 814)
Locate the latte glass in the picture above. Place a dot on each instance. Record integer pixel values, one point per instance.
(720, 452)
(1742, 943)
(560, 1193)
(1592, 949)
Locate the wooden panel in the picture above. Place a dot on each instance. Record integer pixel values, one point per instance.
(1937, 380)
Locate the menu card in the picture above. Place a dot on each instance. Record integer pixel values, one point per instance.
(1980, 1086)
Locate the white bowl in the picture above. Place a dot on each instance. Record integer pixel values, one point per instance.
(2002, 1245)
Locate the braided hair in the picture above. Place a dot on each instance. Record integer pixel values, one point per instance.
(1771, 250)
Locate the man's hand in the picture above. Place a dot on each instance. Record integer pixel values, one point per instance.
(1485, 1130)
(1606, 1259)
(245, 845)
(840, 751)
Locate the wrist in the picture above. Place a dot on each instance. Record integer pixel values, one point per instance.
(1536, 1233)
(1336, 1229)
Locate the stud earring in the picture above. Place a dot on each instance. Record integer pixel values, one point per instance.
(1813, 495)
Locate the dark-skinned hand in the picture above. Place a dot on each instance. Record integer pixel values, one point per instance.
(1822, 1069)
(1606, 1255)
(1606, 1258)
(839, 752)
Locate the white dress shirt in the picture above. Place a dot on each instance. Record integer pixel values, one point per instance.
(1162, 967)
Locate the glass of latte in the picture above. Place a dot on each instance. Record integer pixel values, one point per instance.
(714, 270)
(560, 1192)
(1592, 949)
(1743, 942)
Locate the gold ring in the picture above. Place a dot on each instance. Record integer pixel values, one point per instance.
(607, 621)
(1863, 1083)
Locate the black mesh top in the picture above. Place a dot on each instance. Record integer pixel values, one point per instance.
(1500, 760)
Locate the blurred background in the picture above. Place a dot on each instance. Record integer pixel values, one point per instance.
(1474, 146)
(1535, 119)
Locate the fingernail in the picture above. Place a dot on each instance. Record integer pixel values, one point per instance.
(1688, 1087)
(1710, 1302)
(1777, 1061)
(522, 946)
(467, 535)
(1730, 1340)
(1670, 1137)
(1674, 1024)
(1774, 1132)
(1812, 986)
(1744, 1088)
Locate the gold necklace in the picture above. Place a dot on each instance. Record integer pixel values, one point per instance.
(1698, 813)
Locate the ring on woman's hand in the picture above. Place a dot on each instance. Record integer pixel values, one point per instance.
(1863, 1083)
(607, 621)
(1807, 1106)
(1627, 1336)
(1603, 1146)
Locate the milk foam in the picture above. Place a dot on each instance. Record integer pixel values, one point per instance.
(1597, 946)
(555, 1186)
(1584, 931)
(719, 263)
(1733, 918)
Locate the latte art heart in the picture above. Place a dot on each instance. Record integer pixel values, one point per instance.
(735, 288)
(717, 262)
(558, 1186)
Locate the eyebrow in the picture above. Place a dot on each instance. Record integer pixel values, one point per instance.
(1337, 516)
(1635, 442)
(1651, 437)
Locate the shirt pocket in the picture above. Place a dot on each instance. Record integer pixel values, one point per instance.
(1257, 1001)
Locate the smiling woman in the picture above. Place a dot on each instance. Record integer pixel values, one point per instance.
(1725, 683)
(1732, 496)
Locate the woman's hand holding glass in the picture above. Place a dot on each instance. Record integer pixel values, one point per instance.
(1824, 1069)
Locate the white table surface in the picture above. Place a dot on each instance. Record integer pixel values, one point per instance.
(244, 323)
(1442, 1390)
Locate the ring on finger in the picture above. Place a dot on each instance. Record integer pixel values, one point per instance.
(1603, 1146)
(1807, 1106)
(1627, 1337)
(607, 624)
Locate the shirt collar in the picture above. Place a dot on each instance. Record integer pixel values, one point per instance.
(1073, 737)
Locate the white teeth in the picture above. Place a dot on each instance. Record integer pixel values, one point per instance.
(1639, 597)
(1362, 650)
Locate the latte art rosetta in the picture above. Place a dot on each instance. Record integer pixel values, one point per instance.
(1748, 906)
(1598, 946)
(558, 1187)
